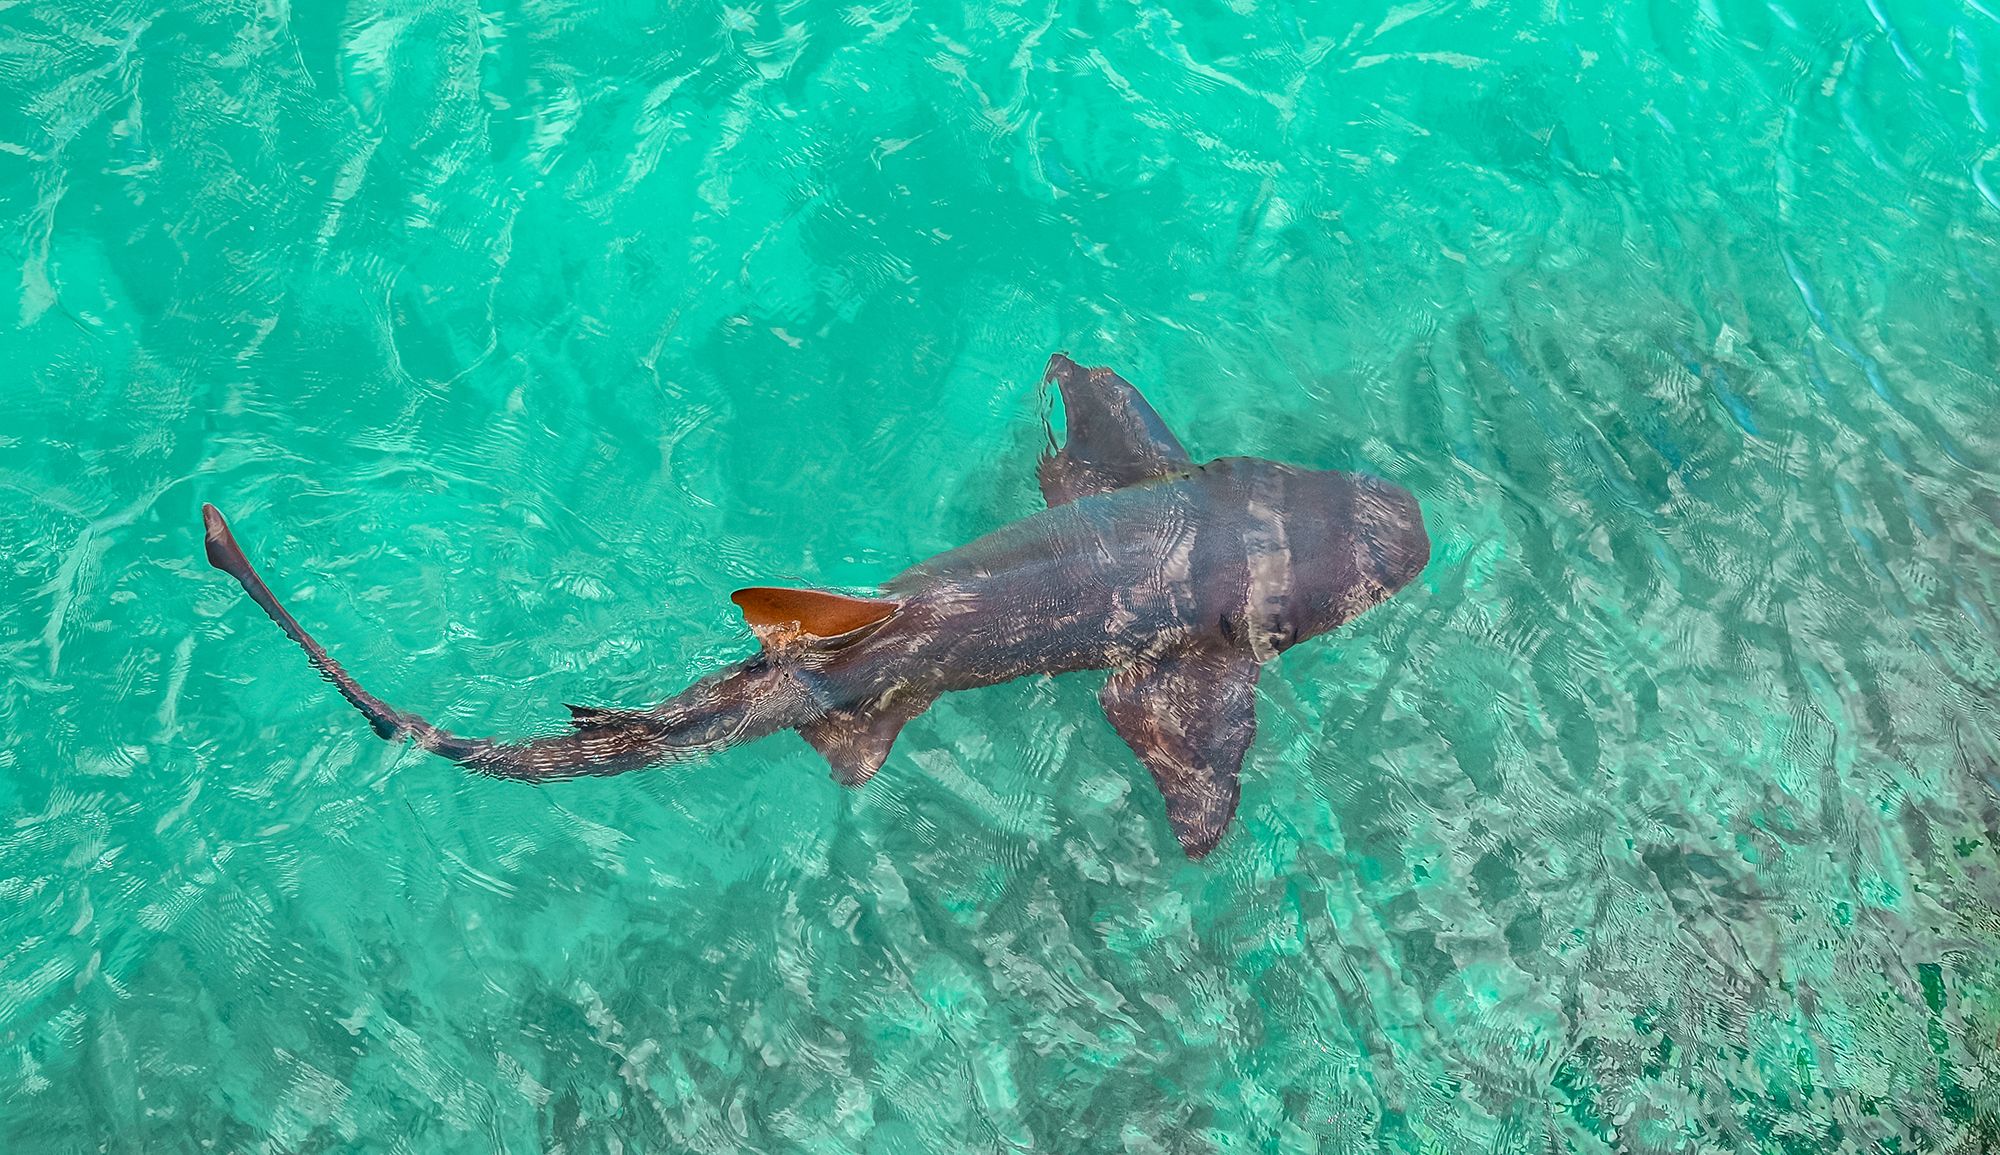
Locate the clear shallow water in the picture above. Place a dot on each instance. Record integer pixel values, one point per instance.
(1659, 815)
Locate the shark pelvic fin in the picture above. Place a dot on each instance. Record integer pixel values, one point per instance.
(1189, 715)
(778, 615)
(856, 741)
(1114, 438)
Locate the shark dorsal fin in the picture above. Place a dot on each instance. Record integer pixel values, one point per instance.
(779, 615)
(1189, 714)
(1114, 438)
(591, 717)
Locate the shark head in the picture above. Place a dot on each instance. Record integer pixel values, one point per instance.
(1349, 541)
(1390, 527)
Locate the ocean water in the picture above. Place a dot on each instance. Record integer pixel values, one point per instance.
(1662, 814)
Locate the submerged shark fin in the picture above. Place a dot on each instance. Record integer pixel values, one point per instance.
(779, 615)
(1189, 715)
(1114, 438)
(855, 742)
(590, 717)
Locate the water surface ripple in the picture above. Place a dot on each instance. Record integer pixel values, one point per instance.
(1662, 814)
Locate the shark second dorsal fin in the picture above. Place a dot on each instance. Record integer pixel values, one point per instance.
(777, 615)
(1189, 715)
(590, 717)
(1114, 438)
(855, 742)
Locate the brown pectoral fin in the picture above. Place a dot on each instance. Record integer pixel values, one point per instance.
(855, 742)
(1189, 715)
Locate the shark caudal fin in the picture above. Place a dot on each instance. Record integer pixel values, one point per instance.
(224, 554)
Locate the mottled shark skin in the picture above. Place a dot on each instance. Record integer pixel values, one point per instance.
(1180, 579)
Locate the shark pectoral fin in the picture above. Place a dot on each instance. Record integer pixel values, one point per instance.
(1114, 438)
(778, 615)
(1189, 715)
(855, 742)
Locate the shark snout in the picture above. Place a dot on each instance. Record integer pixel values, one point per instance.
(1392, 524)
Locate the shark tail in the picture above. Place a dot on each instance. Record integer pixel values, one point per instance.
(729, 706)
(224, 554)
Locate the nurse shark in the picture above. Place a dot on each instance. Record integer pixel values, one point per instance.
(1181, 579)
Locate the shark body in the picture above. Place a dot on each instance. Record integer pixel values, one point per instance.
(1181, 579)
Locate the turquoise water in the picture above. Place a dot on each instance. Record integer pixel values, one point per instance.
(1659, 815)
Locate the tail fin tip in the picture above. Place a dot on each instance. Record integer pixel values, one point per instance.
(223, 552)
